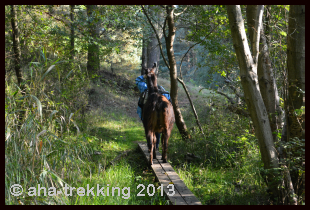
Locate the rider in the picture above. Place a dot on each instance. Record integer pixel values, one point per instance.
(142, 86)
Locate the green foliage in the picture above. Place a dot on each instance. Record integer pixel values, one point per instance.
(295, 151)
(51, 140)
(227, 163)
(36, 125)
(52, 145)
(215, 54)
(300, 111)
(223, 147)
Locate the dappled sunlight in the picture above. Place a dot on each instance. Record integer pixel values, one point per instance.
(118, 128)
(71, 101)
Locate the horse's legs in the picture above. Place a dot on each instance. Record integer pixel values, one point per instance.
(164, 145)
(165, 138)
(148, 139)
(154, 145)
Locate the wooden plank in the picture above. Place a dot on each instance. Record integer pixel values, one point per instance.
(179, 185)
(144, 149)
(165, 174)
(188, 196)
(176, 199)
(163, 178)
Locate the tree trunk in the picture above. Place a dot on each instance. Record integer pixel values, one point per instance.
(93, 49)
(253, 98)
(144, 54)
(267, 83)
(153, 50)
(17, 59)
(72, 32)
(251, 17)
(16, 47)
(269, 92)
(173, 74)
(296, 54)
(267, 24)
(268, 86)
(296, 80)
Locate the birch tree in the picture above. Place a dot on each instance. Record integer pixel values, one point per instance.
(266, 79)
(249, 80)
(260, 88)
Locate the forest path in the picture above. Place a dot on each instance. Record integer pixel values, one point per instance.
(177, 193)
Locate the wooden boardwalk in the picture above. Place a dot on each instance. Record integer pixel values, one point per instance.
(165, 175)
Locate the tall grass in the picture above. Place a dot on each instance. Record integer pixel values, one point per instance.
(40, 147)
(45, 145)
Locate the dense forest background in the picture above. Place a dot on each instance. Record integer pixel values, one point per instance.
(71, 99)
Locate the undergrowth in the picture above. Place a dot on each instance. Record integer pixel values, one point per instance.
(52, 142)
(58, 136)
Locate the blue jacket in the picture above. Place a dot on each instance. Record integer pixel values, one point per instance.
(142, 86)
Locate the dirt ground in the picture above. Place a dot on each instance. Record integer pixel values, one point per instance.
(114, 92)
(124, 95)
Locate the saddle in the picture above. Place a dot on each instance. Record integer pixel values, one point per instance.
(144, 95)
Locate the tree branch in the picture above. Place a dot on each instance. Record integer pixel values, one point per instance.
(235, 91)
(192, 105)
(258, 25)
(160, 46)
(164, 28)
(192, 47)
(229, 98)
(237, 110)
(177, 14)
(233, 107)
(66, 22)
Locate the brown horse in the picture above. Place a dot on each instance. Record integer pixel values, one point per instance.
(158, 116)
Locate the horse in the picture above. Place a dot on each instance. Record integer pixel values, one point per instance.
(158, 115)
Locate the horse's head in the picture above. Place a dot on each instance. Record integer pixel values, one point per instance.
(151, 77)
(149, 72)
